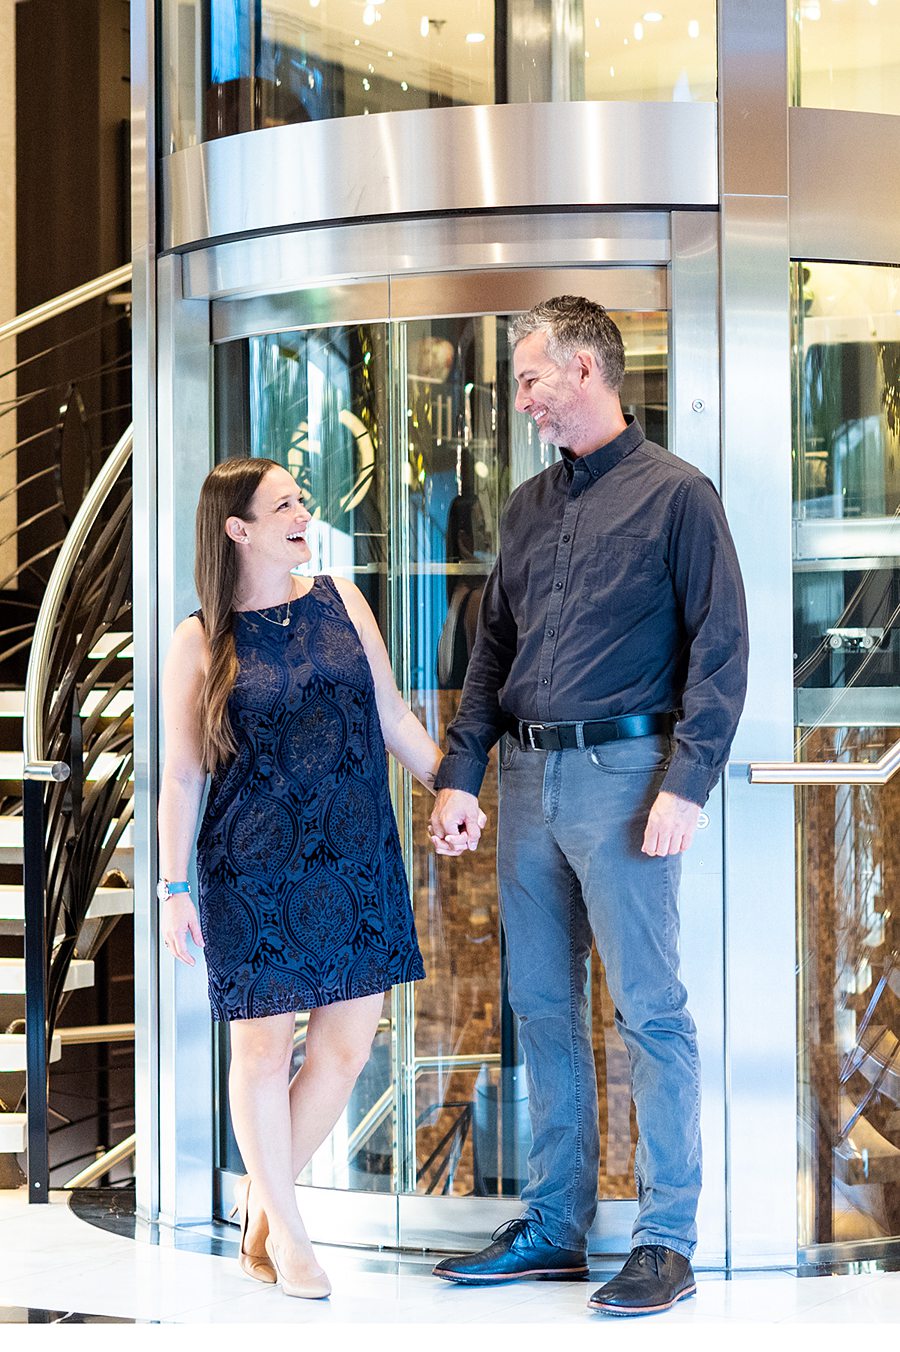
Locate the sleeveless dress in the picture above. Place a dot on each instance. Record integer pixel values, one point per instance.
(303, 897)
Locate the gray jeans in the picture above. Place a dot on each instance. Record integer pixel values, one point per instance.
(569, 864)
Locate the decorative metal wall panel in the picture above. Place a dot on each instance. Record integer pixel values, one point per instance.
(443, 160)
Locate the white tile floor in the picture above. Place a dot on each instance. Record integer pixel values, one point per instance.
(51, 1259)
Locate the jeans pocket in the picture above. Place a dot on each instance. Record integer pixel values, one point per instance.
(509, 749)
(633, 755)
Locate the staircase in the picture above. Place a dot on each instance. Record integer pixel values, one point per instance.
(65, 609)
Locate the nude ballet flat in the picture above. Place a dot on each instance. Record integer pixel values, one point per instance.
(317, 1288)
(259, 1268)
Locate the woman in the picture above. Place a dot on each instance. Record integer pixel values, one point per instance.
(281, 688)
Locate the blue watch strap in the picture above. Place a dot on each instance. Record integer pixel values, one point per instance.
(172, 888)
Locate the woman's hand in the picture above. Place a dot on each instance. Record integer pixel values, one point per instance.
(179, 919)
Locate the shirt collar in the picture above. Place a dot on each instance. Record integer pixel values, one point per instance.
(598, 462)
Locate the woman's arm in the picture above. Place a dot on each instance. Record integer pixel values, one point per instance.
(183, 780)
(403, 734)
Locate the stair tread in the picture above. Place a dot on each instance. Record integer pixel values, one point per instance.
(107, 901)
(12, 703)
(79, 976)
(12, 765)
(12, 1051)
(13, 1133)
(11, 834)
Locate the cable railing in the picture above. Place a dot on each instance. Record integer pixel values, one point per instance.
(65, 602)
(64, 402)
(74, 820)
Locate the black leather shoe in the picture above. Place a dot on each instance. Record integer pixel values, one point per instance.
(519, 1249)
(652, 1280)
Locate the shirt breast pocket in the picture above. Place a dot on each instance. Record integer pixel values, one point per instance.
(619, 565)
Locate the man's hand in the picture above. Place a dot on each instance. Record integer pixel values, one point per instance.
(456, 822)
(670, 825)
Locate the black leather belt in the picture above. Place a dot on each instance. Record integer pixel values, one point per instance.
(572, 736)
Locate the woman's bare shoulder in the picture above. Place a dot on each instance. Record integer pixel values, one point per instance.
(188, 644)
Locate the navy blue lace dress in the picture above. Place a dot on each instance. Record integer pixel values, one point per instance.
(303, 896)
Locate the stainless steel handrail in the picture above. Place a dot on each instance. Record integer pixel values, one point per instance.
(67, 301)
(36, 677)
(827, 772)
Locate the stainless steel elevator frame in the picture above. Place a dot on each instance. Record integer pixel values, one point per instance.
(720, 197)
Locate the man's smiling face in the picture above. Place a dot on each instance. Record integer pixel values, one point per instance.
(550, 394)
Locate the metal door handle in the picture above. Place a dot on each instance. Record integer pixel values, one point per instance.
(826, 772)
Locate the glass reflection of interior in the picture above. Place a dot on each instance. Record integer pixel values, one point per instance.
(847, 55)
(847, 678)
(405, 440)
(236, 65)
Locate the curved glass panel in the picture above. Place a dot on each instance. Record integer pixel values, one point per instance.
(231, 66)
(404, 438)
(847, 678)
(847, 55)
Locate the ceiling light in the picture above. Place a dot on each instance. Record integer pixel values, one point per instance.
(314, 4)
(369, 15)
(404, 86)
(638, 31)
(653, 16)
(612, 72)
(694, 28)
(474, 37)
(811, 9)
(424, 26)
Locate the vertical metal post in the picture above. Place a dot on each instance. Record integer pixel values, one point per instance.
(36, 991)
(760, 928)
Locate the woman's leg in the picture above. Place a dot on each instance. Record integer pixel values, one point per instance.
(338, 1043)
(261, 1116)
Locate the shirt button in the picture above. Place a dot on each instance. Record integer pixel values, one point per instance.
(558, 586)
(550, 633)
(545, 681)
(566, 539)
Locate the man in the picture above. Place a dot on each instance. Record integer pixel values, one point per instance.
(611, 652)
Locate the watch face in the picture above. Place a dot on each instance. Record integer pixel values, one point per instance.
(162, 890)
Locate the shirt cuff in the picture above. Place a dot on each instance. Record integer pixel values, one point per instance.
(459, 771)
(689, 780)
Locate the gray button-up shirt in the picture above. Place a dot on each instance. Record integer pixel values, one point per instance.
(616, 591)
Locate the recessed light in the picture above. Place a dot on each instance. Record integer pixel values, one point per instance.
(424, 26)
(369, 15)
(638, 32)
(694, 28)
(474, 37)
(653, 16)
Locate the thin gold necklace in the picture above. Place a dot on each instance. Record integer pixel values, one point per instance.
(279, 624)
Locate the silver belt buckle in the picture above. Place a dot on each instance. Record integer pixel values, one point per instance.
(532, 729)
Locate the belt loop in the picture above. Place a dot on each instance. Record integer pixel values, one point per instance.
(579, 736)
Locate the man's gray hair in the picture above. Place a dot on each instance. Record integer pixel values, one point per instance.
(574, 324)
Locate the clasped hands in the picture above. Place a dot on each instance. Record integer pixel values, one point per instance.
(457, 822)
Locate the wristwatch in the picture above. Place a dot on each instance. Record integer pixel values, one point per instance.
(166, 889)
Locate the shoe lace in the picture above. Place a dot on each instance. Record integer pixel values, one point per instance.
(513, 1227)
(647, 1255)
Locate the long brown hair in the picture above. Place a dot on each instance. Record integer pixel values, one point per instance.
(227, 491)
